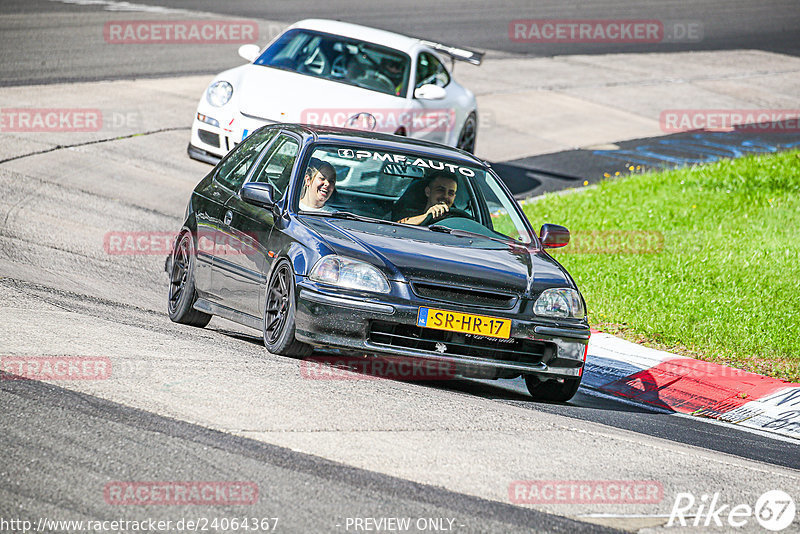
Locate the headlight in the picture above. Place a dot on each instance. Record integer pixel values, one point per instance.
(208, 120)
(219, 93)
(352, 274)
(559, 302)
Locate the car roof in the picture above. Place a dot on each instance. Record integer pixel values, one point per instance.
(391, 142)
(397, 41)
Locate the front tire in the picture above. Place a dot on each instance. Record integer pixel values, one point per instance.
(552, 390)
(278, 327)
(182, 292)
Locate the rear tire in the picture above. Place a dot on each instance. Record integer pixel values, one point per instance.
(278, 327)
(552, 390)
(182, 292)
(469, 132)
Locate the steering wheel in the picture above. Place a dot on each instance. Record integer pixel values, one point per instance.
(452, 212)
(315, 62)
(339, 67)
(376, 80)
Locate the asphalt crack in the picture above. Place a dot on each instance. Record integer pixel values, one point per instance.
(95, 142)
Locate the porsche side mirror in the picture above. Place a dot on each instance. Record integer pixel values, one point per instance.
(249, 52)
(553, 236)
(258, 194)
(430, 92)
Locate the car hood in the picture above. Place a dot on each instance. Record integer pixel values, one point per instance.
(417, 254)
(278, 95)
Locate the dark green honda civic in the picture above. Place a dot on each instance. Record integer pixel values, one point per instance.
(382, 246)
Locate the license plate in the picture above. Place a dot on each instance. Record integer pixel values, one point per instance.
(479, 325)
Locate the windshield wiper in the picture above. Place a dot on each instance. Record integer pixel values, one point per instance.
(350, 216)
(467, 233)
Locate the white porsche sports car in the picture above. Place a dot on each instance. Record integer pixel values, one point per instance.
(333, 73)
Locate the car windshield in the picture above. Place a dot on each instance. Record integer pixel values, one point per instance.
(340, 59)
(384, 186)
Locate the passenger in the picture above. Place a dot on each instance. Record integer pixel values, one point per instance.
(440, 193)
(320, 183)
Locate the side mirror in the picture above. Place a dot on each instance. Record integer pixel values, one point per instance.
(553, 236)
(249, 52)
(258, 194)
(430, 92)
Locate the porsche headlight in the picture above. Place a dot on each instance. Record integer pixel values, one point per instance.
(352, 274)
(219, 93)
(559, 302)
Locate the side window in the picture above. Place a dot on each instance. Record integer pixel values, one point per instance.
(234, 169)
(431, 71)
(276, 166)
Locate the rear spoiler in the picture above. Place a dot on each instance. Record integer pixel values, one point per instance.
(459, 54)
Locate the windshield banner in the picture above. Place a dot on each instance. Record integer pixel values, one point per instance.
(424, 163)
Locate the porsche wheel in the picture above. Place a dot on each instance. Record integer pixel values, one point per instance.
(466, 139)
(279, 312)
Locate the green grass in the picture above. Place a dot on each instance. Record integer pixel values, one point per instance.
(722, 286)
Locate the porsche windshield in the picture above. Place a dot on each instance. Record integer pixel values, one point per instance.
(340, 59)
(409, 189)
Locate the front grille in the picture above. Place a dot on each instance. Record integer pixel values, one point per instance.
(208, 138)
(459, 344)
(462, 295)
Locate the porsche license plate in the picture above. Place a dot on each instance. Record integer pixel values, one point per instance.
(479, 325)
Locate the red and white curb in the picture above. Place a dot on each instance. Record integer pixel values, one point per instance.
(685, 385)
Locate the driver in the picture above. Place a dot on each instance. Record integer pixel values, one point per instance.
(440, 193)
(393, 70)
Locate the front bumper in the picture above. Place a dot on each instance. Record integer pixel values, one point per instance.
(202, 155)
(369, 325)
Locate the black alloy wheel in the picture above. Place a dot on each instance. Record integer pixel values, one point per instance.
(182, 293)
(279, 312)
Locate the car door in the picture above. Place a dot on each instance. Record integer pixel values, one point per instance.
(438, 117)
(248, 228)
(228, 177)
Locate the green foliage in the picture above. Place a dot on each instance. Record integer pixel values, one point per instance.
(702, 260)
